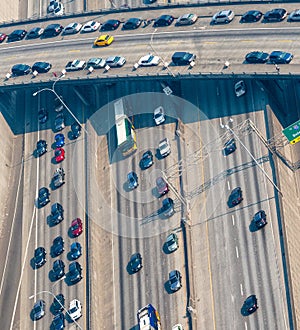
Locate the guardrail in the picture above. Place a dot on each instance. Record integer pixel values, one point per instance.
(104, 78)
(141, 8)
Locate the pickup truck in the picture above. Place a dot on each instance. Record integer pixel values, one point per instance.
(75, 65)
(164, 147)
(58, 178)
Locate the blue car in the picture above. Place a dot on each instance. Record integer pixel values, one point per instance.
(279, 57)
(59, 140)
(75, 252)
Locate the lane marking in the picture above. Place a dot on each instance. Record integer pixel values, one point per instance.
(228, 185)
(241, 287)
(232, 217)
(237, 252)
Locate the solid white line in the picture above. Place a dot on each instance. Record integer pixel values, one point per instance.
(237, 252)
(232, 217)
(228, 185)
(241, 287)
(246, 326)
(11, 231)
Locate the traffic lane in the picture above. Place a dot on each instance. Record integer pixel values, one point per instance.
(261, 256)
(214, 61)
(42, 280)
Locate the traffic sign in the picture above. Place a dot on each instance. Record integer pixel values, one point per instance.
(292, 132)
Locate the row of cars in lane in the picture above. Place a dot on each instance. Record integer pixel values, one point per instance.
(171, 243)
(221, 17)
(178, 58)
(56, 250)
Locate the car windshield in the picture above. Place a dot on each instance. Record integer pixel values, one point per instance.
(37, 308)
(73, 310)
(75, 226)
(93, 23)
(173, 279)
(58, 152)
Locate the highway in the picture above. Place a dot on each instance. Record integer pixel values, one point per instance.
(229, 262)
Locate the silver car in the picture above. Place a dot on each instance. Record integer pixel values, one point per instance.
(187, 19)
(172, 242)
(223, 16)
(115, 61)
(39, 309)
(175, 280)
(72, 28)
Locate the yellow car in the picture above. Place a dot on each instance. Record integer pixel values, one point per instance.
(104, 40)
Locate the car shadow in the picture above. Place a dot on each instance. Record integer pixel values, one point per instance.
(70, 233)
(69, 256)
(165, 249)
(158, 155)
(33, 265)
(126, 187)
(32, 315)
(244, 311)
(129, 270)
(252, 227)
(168, 288)
(50, 223)
(53, 161)
(52, 276)
(52, 310)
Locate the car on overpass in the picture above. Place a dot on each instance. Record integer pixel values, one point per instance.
(21, 69)
(39, 309)
(41, 148)
(104, 40)
(183, 58)
(279, 57)
(159, 115)
(163, 20)
(90, 26)
(16, 35)
(223, 16)
(72, 28)
(35, 32)
(149, 60)
(294, 16)
(187, 19)
(132, 23)
(257, 57)
(115, 61)
(43, 196)
(41, 67)
(251, 16)
(3, 36)
(39, 257)
(275, 15)
(111, 24)
(75, 65)
(52, 30)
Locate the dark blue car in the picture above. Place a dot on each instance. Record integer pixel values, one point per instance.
(147, 160)
(75, 252)
(279, 57)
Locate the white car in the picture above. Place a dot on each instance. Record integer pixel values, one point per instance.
(240, 88)
(115, 61)
(59, 9)
(149, 60)
(75, 309)
(72, 28)
(223, 16)
(75, 65)
(164, 147)
(159, 115)
(91, 26)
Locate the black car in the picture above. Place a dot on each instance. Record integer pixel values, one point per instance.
(43, 116)
(183, 58)
(52, 30)
(229, 147)
(41, 67)
(57, 213)
(275, 15)
(260, 219)
(58, 303)
(235, 197)
(147, 160)
(41, 147)
(135, 262)
(250, 304)
(58, 322)
(168, 207)
(39, 257)
(76, 130)
(132, 180)
(16, 35)
(257, 57)
(251, 16)
(43, 198)
(57, 246)
(21, 69)
(279, 57)
(132, 23)
(75, 271)
(35, 32)
(58, 269)
(111, 24)
(76, 250)
(163, 20)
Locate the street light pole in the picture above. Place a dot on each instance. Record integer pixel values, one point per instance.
(52, 294)
(52, 90)
(249, 152)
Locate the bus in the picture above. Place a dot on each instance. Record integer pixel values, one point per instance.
(126, 138)
(148, 318)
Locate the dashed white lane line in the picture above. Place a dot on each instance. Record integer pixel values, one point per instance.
(232, 217)
(228, 185)
(241, 287)
(237, 252)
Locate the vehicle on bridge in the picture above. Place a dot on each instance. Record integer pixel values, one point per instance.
(75, 65)
(126, 138)
(148, 318)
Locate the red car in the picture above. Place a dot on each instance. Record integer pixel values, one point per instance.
(2, 37)
(76, 227)
(59, 154)
(162, 186)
